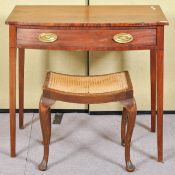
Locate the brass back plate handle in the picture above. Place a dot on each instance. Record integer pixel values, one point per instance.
(123, 38)
(47, 37)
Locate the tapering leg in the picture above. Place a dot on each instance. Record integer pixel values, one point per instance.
(160, 72)
(153, 88)
(12, 88)
(45, 121)
(131, 113)
(160, 105)
(123, 126)
(21, 88)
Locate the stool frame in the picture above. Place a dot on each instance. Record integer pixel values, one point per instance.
(127, 124)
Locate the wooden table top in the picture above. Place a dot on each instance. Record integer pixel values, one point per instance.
(119, 15)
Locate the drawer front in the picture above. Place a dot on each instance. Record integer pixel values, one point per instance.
(86, 39)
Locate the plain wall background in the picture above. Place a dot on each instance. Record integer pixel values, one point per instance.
(38, 62)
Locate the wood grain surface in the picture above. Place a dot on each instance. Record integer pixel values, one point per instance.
(122, 15)
(86, 39)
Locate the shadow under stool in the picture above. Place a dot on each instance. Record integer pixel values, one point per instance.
(88, 90)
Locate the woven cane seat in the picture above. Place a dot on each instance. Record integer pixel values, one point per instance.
(88, 89)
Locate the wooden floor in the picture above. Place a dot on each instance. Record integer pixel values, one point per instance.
(86, 145)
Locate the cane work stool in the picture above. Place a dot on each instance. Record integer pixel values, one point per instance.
(88, 90)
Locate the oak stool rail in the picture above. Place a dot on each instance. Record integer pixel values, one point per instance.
(88, 90)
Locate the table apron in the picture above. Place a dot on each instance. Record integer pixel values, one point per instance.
(100, 40)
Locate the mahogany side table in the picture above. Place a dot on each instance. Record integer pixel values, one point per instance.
(93, 28)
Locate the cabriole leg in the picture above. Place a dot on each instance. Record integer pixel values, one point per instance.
(45, 121)
(131, 111)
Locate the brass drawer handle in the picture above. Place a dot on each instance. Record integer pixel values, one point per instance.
(123, 38)
(47, 37)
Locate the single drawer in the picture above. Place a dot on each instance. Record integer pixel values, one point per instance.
(86, 39)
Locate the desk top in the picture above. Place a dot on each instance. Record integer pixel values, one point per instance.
(120, 15)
